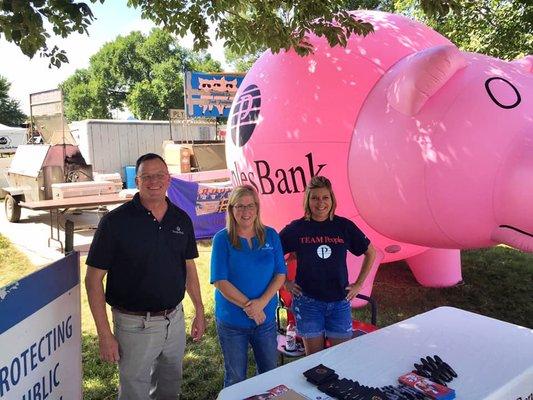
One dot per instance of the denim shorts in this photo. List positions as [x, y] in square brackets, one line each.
[316, 318]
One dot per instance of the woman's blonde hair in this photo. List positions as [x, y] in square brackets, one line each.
[231, 224]
[318, 182]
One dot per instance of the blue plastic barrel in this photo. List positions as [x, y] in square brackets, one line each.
[129, 172]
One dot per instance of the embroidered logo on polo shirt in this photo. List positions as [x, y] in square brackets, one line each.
[267, 246]
[323, 251]
[178, 231]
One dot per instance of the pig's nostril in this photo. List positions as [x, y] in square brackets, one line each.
[393, 248]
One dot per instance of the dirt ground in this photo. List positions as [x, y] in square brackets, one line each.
[31, 234]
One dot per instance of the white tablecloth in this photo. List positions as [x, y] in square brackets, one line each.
[494, 359]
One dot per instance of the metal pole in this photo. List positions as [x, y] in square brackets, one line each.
[186, 75]
[63, 139]
[30, 135]
[69, 236]
[170, 124]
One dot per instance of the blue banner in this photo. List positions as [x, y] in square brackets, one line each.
[210, 95]
[204, 203]
[21, 299]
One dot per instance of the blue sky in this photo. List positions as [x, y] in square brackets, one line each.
[32, 75]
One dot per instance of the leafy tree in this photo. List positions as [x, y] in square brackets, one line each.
[497, 27]
[85, 97]
[22, 22]
[249, 25]
[500, 28]
[383, 5]
[242, 60]
[244, 25]
[10, 113]
[143, 73]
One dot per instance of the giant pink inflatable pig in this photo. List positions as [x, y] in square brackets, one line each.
[429, 149]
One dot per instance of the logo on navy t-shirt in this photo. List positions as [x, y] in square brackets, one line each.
[323, 251]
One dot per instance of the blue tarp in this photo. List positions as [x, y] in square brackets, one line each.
[205, 203]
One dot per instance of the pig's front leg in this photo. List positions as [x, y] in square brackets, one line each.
[437, 267]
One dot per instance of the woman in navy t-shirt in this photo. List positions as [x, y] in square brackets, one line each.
[247, 269]
[321, 290]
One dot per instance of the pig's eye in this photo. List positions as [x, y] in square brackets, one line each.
[502, 92]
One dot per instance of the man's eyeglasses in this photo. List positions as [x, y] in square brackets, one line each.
[152, 177]
[249, 207]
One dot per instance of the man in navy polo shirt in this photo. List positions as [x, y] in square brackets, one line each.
[147, 249]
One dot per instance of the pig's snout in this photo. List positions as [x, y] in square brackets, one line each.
[513, 201]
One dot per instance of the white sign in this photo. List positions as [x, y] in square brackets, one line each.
[11, 138]
[40, 334]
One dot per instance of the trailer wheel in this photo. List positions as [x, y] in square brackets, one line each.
[12, 209]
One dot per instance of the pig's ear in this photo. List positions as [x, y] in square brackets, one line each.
[525, 63]
[422, 75]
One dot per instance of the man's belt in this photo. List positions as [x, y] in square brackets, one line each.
[162, 313]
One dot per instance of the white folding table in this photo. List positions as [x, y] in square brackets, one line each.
[494, 359]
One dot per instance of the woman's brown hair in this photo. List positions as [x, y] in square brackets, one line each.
[318, 182]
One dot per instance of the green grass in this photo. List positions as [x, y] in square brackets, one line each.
[497, 283]
[13, 264]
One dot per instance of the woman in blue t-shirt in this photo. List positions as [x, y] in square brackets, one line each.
[247, 269]
[321, 290]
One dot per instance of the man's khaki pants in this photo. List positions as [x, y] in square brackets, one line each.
[151, 354]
